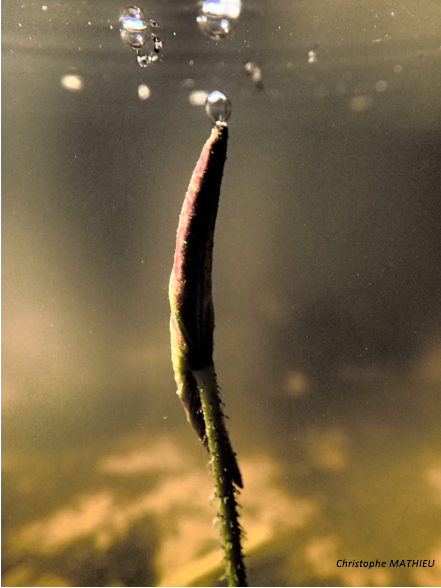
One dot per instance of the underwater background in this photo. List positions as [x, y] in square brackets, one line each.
[326, 285]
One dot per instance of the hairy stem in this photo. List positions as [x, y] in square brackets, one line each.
[223, 462]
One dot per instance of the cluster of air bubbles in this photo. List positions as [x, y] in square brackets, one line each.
[145, 60]
[218, 18]
[217, 107]
[136, 33]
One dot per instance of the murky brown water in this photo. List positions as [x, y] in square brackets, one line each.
[326, 283]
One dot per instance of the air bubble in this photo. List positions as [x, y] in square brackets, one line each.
[132, 13]
[135, 40]
[198, 97]
[218, 107]
[143, 94]
[157, 44]
[136, 33]
[72, 83]
[218, 18]
[134, 27]
[381, 86]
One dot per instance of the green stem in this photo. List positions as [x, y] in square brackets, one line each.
[224, 464]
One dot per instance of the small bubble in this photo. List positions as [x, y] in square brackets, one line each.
[218, 107]
[254, 71]
[157, 44]
[381, 86]
[72, 83]
[198, 97]
[360, 103]
[143, 94]
[218, 18]
[398, 69]
[134, 39]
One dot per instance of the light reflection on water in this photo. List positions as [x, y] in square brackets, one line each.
[326, 286]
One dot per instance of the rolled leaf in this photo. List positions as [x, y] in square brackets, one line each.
[190, 291]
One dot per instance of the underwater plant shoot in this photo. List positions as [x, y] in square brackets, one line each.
[192, 325]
